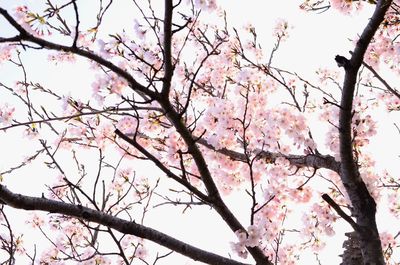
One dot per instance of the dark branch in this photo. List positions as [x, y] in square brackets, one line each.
[11, 39]
[388, 87]
[342, 61]
[163, 168]
[339, 211]
[42, 204]
[364, 206]
[77, 23]
[26, 36]
[168, 68]
[310, 160]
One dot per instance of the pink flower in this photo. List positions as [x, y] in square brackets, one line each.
[281, 29]
[31, 132]
[343, 6]
[254, 236]
[6, 114]
[35, 221]
[5, 52]
[239, 249]
[241, 235]
[140, 33]
[127, 125]
[22, 16]
[62, 57]
[207, 5]
[141, 251]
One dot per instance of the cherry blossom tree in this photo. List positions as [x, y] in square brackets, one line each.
[208, 112]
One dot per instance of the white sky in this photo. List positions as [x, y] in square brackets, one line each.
[314, 41]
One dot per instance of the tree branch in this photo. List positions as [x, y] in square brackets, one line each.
[213, 199]
[69, 117]
[77, 23]
[163, 168]
[388, 87]
[339, 211]
[364, 206]
[11, 39]
[310, 160]
[168, 68]
[169, 110]
[42, 204]
[26, 36]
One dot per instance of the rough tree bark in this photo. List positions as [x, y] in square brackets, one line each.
[363, 205]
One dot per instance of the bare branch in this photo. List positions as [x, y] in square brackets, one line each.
[168, 67]
[26, 36]
[383, 81]
[42, 204]
[77, 23]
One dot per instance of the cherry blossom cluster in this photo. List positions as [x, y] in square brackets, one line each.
[364, 126]
[317, 222]
[233, 101]
[326, 75]
[6, 114]
[73, 238]
[281, 29]
[389, 242]
[393, 199]
[250, 239]
[11, 241]
[6, 52]
[346, 6]
[25, 18]
[390, 102]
